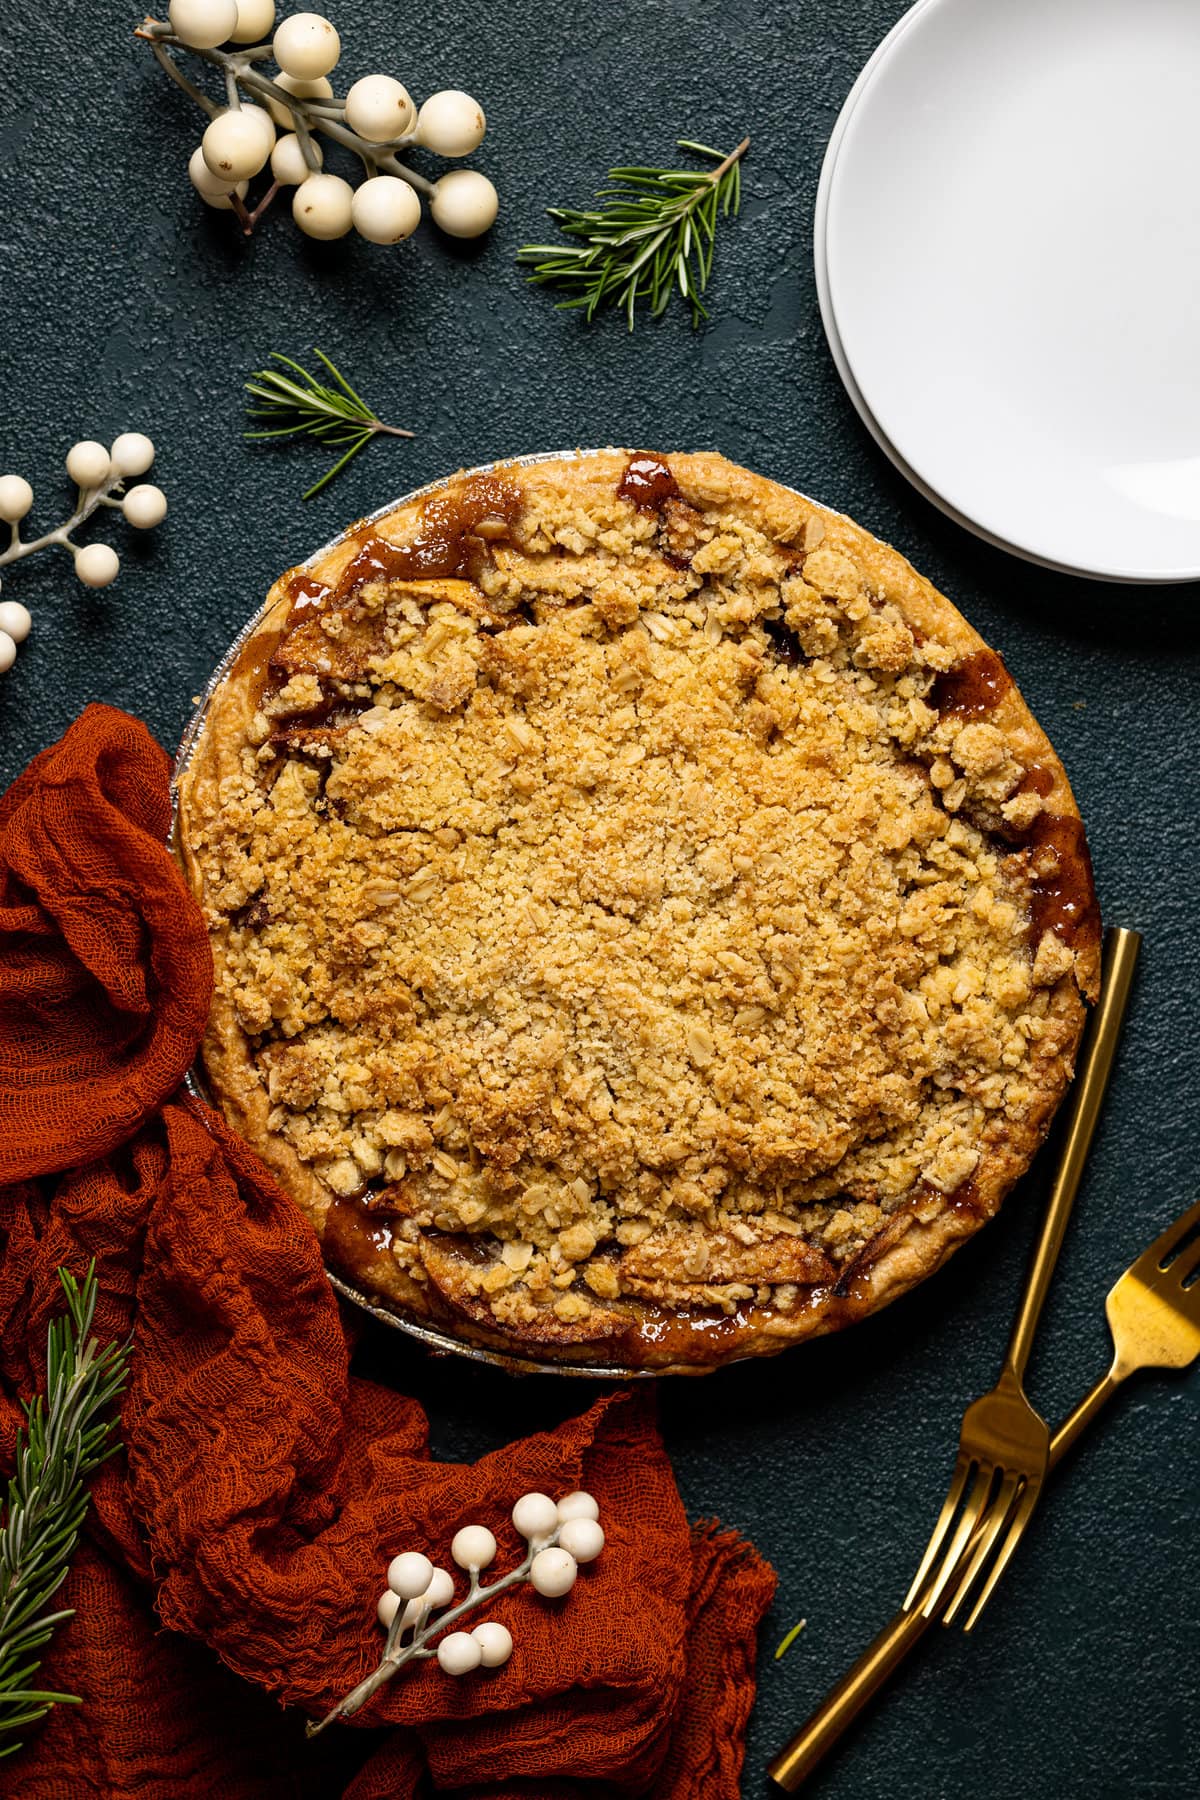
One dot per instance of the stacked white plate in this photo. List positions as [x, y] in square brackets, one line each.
[1007, 249]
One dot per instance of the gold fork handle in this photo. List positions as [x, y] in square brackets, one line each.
[1121, 948]
[1077, 1422]
[843, 1704]
[877, 1664]
[792, 1767]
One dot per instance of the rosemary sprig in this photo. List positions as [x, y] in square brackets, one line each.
[652, 233]
[299, 405]
[65, 1436]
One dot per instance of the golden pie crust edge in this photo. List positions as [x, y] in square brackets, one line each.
[907, 1249]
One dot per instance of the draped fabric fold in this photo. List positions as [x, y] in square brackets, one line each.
[236, 1545]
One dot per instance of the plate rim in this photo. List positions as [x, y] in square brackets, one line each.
[833, 337]
[825, 203]
[837, 350]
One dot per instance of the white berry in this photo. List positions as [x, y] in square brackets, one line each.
[409, 1574]
[464, 203]
[8, 653]
[96, 565]
[388, 1607]
[495, 1643]
[206, 184]
[535, 1516]
[132, 453]
[237, 143]
[323, 206]
[224, 202]
[451, 123]
[440, 1591]
[459, 1653]
[306, 45]
[203, 24]
[320, 89]
[15, 621]
[288, 165]
[16, 498]
[254, 21]
[385, 209]
[88, 463]
[473, 1547]
[380, 108]
[145, 506]
[553, 1573]
[577, 1506]
[582, 1538]
[263, 123]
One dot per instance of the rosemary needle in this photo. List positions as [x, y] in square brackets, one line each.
[66, 1434]
[651, 234]
[298, 404]
[790, 1639]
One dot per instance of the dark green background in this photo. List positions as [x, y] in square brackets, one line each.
[126, 305]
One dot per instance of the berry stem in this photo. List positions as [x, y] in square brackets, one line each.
[252, 218]
[177, 75]
[379, 156]
[395, 1656]
[61, 535]
[307, 115]
[237, 207]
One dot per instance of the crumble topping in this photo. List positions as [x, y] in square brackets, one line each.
[622, 917]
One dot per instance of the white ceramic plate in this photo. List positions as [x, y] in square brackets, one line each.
[821, 271]
[1012, 270]
[829, 322]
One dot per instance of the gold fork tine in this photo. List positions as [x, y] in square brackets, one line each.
[1158, 1255]
[999, 1518]
[958, 1486]
[1025, 1506]
[1185, 1268]
[978, 1501]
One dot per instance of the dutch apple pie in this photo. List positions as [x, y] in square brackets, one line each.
[649, 925]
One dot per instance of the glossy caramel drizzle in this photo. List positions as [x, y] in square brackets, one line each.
[1036, 780]
[1062, 894]
[355, 1242]
[307, 595]
[647, 483]
[456, 529]
[972, 689]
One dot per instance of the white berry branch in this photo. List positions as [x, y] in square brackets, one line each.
[376, 118]
[99, 476]
[558, 1536]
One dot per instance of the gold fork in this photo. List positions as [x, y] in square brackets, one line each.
[1004, 1446]
[1154, 1316]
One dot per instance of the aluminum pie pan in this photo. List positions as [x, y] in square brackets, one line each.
[387, 1312]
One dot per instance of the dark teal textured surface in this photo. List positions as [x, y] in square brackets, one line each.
[126, 305]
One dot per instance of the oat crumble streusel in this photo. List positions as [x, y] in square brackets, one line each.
[642, 912]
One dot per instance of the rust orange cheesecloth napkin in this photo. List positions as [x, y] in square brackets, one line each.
[226, 1585]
